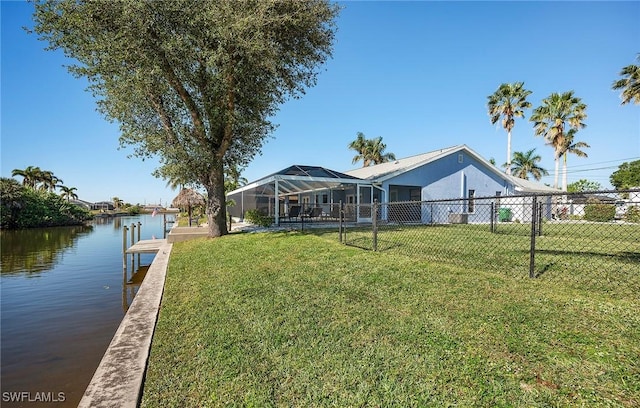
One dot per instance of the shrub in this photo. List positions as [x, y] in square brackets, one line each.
[257, 218]
[29, 208]
[599, 212]
[633, 214]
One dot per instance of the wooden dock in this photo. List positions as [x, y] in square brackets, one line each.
[146, 246]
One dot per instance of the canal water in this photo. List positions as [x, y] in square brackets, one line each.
[63, 296]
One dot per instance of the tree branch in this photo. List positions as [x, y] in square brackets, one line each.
[177, 85]
[167, 124]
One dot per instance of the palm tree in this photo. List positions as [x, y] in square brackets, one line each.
[34, 177]
[360, 146]
[551, 120]
[630, 85]
[233, 179]
[175, 181]
[508, 103]
[11, 199]
[376, 151]
[572, 147]
[31, 175]
[527, 163]
[69, 193]
[370, 151]
[49, 182]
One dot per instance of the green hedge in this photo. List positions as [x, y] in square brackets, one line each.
[599, 212]
[632, 214]
[257, 218]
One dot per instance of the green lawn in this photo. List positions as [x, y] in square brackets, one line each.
[584, 256]
[290, 319]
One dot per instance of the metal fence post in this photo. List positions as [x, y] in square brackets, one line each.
[532, 250]
[540, 215]
[374, 218]
[340, 217]
[432, 215]
[492, 218]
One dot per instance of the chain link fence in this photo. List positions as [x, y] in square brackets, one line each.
[590, 239]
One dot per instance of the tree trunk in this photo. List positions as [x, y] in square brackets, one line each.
[564, 172]
[216, 208]
[555, 178]
[508, 170]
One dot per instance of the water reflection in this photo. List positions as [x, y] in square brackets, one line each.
[63, 297]
[106, 220]
[130, 286]
[32, 251]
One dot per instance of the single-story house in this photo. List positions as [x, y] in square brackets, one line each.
[81, 203]
[453, 173]
[103, 205]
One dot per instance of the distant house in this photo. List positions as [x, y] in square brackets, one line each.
[81, 203]
[103, 205]
[579, 201]
[453, 173]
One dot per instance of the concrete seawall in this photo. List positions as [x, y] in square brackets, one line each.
[118, 379]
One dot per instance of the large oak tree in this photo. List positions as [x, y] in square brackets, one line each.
[193, 83]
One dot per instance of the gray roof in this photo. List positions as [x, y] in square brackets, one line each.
[310, 171]
[302, 178]
[385, 171]
[298, 179]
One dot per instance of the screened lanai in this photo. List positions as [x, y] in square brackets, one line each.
[298, 190]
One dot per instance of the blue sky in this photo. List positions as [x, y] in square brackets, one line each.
[416, 73]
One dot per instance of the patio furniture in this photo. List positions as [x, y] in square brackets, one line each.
[294, 212]
[315, 212]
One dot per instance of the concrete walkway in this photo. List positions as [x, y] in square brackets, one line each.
[179, 234]
[118, 380]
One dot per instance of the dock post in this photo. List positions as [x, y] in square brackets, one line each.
[124, 253]
[139, 230]
[133, 241]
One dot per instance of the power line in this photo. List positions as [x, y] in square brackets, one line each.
[573, 170]
[605, 162]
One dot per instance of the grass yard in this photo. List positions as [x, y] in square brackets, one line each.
[597, 257]
[291, 319]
